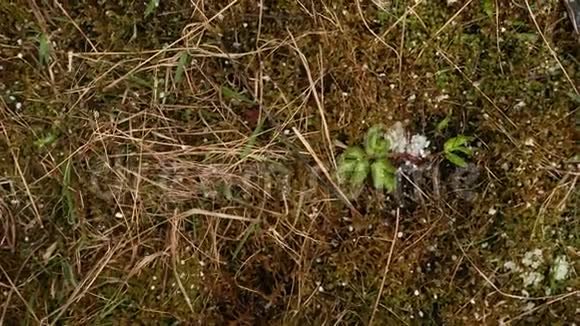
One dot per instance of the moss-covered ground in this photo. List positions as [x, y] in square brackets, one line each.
[174, 162]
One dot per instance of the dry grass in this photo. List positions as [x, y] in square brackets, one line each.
[180, 167]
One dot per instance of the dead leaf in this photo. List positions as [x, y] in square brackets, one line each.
[48, 253]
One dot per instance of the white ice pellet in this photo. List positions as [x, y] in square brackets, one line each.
[441, 97]
[510, 266]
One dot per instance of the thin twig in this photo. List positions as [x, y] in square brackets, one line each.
[386, 268]
[322, 167]
[174, 257]
[450, 20]
[76, 26]
[503, 114]
[85, 285]
[403, 16]
[552, 52]
[497, 36]
[21, 174]
[15, 289]
[188, 34]
[319, 103]
[560, 298]
[378, 38]
[199, 211]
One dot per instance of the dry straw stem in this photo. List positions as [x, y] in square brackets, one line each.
[174, 257]
[14, 288]
[339, 191]
[199, 211]
[378, 38]
[84, 286]
[559, 207]
[400, 19]
[497, 38]
[393, 242]
[32, 254]
[75, 25]
[22, 178]
[531, 311]
[158, 53]
[500, 111]
[319, 103]
[450, 20]
[552, 52]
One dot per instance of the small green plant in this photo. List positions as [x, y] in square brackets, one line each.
[443, 124]
[48, 139]
[454, 146]
[355, 163]
[44, 49]
[151, 6]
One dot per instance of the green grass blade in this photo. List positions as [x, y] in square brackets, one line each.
[68, 273]
[68, 201]
[443, 124]
[232, 94]
[111, 306]
[140, 81]
[253, 228]
[183, 60]
[43, 49]
[574, 97]
[252, 140]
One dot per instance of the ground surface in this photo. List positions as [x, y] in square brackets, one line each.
[176, 164]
